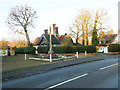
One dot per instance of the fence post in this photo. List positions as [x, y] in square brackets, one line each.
[25, 56]
[50, 57]
[85, 53]
[77, 54]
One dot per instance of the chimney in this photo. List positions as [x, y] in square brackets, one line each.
[57, 32]
[46, 31]
[54, 29]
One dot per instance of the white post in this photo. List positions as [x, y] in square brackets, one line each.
[77, 54]
[25, 56]
[36, 47]
[85, 53]
[50, 57]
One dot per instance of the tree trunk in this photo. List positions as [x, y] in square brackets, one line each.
[83, 37]
[27, 37]
[87, 33]
[77, 39]
[94, 34]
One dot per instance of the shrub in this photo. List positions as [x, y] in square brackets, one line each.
[114, 48]
[43, 49]
[25, 50]
[59, 49]
[89, 49]
[68, 49]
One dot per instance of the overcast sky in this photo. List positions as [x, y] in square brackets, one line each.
[61, 12]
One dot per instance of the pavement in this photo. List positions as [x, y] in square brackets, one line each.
[54, 65]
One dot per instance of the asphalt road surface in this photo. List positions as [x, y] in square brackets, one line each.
[98, 74]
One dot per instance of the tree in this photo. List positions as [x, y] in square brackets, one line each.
[98, 22]
[18, 43]
[20, 18]
[75, 31]
[101, 34]
[3, 44]
[110, 32]
[81, 26]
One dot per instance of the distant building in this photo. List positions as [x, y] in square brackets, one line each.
[104, 42]
[117, 39]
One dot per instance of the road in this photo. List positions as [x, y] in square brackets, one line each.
[98, 74]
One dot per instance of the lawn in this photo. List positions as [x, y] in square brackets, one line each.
[10, 63]
[18, 62]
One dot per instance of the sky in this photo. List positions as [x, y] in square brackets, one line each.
[60, 12]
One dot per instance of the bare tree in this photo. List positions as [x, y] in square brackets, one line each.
[86, 19]
[98, 22]
[110, 32]
[20, 18]
[81, 26]
[75, 31]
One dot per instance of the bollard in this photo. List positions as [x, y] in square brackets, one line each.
[25, 56]
[85, 53]
[50, 57]
[77, 54]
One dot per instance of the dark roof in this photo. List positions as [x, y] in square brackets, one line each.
[46, 37]
[107, 39]
[54, 39]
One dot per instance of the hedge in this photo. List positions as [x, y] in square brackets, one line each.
[56, 49]
[68, 49]
[114, 48]
[43, 49]
[25, 50]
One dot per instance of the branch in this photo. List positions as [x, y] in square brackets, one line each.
[19, 32]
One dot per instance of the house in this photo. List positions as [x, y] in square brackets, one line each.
[65, 40]
[117, 39]
[45, 39]
[104, 42]
[57, 40]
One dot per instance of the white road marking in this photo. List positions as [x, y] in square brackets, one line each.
[66, 81]
[108, 66]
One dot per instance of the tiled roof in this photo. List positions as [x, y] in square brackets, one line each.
[37, 41]
[61, 37]
[66, 42]
[107, 39]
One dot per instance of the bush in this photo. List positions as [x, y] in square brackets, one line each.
[90, 49]
[25, 50]
[59, 49]
[114, 48]
[43, 49]
[68, 49]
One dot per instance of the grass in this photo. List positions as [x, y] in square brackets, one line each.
[10, 63]
[18, 62]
